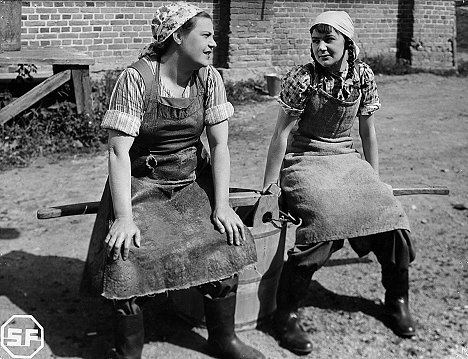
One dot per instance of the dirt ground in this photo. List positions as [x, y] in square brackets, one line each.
[422, 129]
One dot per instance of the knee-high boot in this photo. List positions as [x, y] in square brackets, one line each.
[129, 335]
[394, 256]
[222, 339]
[293, 286]
[397, 302]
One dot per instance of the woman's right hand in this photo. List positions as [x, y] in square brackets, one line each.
[120, 237]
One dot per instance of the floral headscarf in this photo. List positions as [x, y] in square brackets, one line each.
[166, 21]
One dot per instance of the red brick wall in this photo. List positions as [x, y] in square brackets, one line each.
[254, 36]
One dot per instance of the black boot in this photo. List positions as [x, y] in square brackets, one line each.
[396, 283]
[292, 288]
[399, 317]
[129, 335]
[222, 340]
[394, 251]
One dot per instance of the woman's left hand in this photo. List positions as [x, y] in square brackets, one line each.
[227, 221]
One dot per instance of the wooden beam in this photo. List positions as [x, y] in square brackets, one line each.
[34, 95]
[46, 56]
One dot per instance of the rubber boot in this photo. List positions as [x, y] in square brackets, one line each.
[129, 335]
[396, 301]
[292, 287]
[222, 339]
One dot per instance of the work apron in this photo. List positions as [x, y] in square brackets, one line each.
[172, 200]
[325, 183]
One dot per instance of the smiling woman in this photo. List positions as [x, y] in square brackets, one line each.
[164, 221]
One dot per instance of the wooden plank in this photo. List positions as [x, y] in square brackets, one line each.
[34, 95]
[82, 89]
[46, 56]
[242, 199]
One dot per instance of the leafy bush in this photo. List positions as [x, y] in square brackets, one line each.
[53, 126]
[389, 65]
[55, 130]
[245, 91]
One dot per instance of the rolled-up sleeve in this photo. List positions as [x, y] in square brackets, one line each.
[370, 101]
[126, 104]
[217, 107]
[295, 88]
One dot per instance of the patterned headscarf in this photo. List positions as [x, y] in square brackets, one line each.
[167, 20]
[341, 21]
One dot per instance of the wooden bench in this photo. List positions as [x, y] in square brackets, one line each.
[67, 65]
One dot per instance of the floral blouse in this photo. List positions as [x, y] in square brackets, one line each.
[299, 82]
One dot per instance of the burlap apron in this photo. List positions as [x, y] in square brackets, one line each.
[172, 199]
[336, 194]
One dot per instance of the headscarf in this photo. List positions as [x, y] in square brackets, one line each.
[341, 21]
[168, 19]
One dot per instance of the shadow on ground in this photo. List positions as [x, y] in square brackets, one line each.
[47, 288]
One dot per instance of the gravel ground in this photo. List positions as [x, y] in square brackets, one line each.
[422, 129]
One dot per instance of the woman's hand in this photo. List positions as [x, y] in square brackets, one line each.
[120, 237]
[227, 221]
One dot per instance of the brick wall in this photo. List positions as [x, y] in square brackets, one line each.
[253, 36]
[272, 34]
[113, 32]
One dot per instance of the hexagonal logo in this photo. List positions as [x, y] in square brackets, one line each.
[22, 336]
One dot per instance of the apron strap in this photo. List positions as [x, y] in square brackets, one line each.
[145, 72]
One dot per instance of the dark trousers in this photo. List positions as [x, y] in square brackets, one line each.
[394, 251]
[213, 290]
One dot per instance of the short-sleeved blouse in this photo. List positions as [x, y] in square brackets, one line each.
[125, 111]
[300, 80]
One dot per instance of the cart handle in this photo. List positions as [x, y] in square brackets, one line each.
[236, 199]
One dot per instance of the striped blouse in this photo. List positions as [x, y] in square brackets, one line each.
[299, 82]
[125, 111]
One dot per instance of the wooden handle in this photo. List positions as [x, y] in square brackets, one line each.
[236, 199]
[421, 190]
[68, 210]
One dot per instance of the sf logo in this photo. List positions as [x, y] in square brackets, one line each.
[22, 336]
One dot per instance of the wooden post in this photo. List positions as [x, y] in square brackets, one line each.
[81, 85]
[82, 88]
[10, 25]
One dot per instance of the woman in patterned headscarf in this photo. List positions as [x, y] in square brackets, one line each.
[153, 232]
[325, 183]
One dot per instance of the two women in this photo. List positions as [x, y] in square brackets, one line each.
[153, 232]
[326, 184]
[164, 222]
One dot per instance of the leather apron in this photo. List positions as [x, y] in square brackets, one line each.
[172, 200]
[337, 194]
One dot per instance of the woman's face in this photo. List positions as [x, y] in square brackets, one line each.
[198, 44]
[328, 49]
